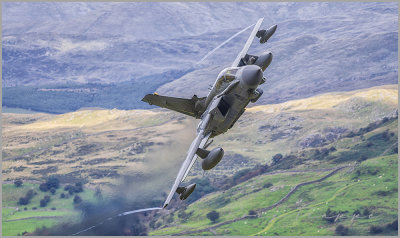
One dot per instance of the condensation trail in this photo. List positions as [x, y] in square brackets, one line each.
[139, 210]
[119, 215]
[223, 43]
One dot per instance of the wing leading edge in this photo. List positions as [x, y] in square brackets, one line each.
[248, 43]
[199, 142]
[191, 157]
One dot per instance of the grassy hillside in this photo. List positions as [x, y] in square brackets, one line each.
[368, 186]
[121, 151]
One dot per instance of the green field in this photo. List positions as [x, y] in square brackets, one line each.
[302, 213]
[17, 219]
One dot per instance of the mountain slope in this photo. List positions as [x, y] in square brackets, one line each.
[359, 194]
[135, 154]
[117, 52]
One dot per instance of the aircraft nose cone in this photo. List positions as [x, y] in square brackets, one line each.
[252, 75]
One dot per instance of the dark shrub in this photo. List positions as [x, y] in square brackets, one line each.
[77, 199]
[394, 225]
[341, 230]
[276, 158]
[375, 229]
[53, 190]
[330, 216]
[18, 183]
[183, 215]
[62, 195]
[252, 213]
[213, 216]
[366, 212]
[23, 201]
[52, 182]
[43, 187]
[34, 208]
[47, 198]
[267, 185]
[30, 194]
[25, 208]
[78, 187]
[357, 212]
[67, 187]
[43, 203]
[53, 208]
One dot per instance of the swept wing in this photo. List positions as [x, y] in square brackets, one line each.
[191, 157]
[248, 43]
[191, 107]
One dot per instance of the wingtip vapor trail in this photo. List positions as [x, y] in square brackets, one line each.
[119, 215]
[223, 43]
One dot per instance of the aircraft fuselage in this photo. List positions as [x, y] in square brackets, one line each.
[229, 97]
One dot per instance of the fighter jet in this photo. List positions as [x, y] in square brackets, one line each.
[234, 88]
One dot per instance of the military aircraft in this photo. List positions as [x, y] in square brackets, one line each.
[232, 91]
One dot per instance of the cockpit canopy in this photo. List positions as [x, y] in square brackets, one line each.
[225, 77]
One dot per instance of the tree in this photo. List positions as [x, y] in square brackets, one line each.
[62, 195]
[252, 213]
[342, 230]
[276, 158]
[78, 187]
[52, 182]
[23, 201]
[77, 199]
[43, 187]
[53, 190]
[67, 187]
[44, 201]
[213, 216]
[18, 183]
[30, 194]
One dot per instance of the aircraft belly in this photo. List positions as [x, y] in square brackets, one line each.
[238, 99]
